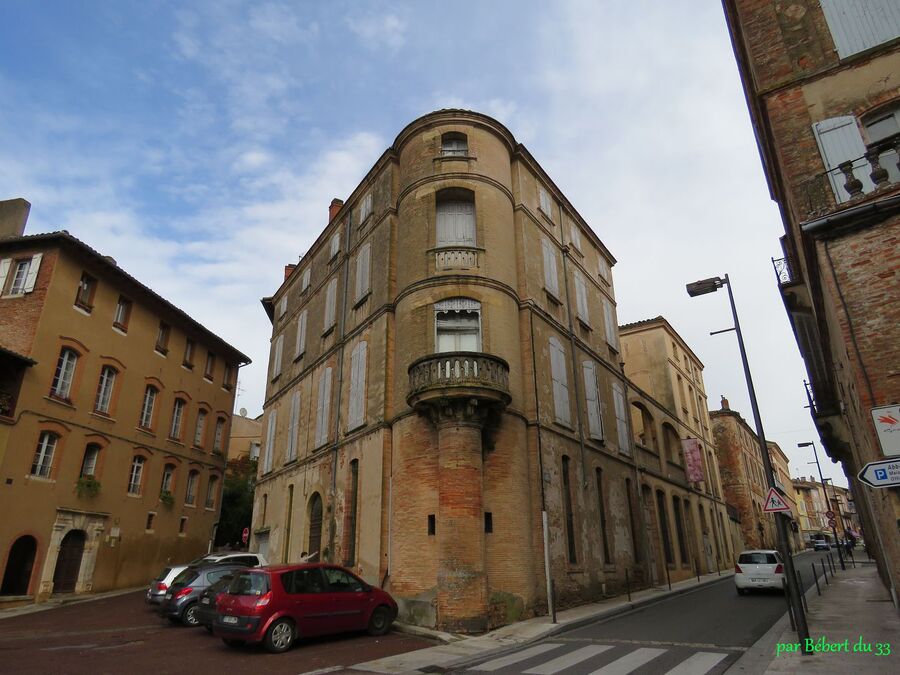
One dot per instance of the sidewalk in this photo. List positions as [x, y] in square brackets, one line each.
[459, 650]
[54, 602]
[854, 607]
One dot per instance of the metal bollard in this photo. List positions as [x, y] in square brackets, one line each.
[802, 590]
[852, 559]
[790, 610]
[815, 578]
[668, 580]
[627, 585]
[831, 564]
[718, 571]
[825, 573]
[697, 570]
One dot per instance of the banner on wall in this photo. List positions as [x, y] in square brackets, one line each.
[693, 462]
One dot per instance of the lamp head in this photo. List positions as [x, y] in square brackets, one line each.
[804, 445]
[704, 286]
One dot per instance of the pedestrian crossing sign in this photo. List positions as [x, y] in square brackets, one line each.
[775, 503]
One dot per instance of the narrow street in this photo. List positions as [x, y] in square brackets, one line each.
[703, 631]
[122, 634]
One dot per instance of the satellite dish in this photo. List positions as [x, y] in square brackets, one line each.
[243, 412]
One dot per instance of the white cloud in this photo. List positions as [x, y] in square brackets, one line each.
[377, 31]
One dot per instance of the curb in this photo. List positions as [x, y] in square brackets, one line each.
[62, 602]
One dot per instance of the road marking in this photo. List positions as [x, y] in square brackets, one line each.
[701, 662]
[630, 662]
[56, 649]
[568, 660]
[321, 671]
[663, 643]
[504, 661]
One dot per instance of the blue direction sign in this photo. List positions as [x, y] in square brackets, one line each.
[881, 474]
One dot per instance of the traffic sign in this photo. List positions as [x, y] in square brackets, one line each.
[774, 502]
[829, 514]
[885, 473]
[245, 535]
[886, 419]
[831, 523]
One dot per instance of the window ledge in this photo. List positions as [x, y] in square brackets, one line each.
[188, 366]
[175, 441]
[209, 508]
[190, 506]
[584, 324]
[12, 296]
[207, 378]
[291, 461]
[160, 352]
[119, 330]
[134, 496]
[198, 448]
[262, 530]
[102, 416]
[328, 330]
[552, 296]
[276, 377]
[564, 425]
[546, 217]
[362, 299]
[60, 401]
[299, 356]
[334, 256]
[83, 309]
[145, 431]
[39, 479]
[451, 158]
[356, 427]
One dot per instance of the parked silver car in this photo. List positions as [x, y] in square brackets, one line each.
[158, 587]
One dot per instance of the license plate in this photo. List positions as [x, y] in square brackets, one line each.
[229, 619]
[168, 596]
[759, 581]
[204, 601]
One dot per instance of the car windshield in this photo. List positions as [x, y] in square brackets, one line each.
[186, 576]
[757, 559]
[163, 574]
[249, 584]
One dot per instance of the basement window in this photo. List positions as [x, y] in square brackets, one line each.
[431, 526]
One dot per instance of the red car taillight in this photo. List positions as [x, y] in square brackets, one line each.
[779, 568]
[161, 587]
[183, 592]
[264, 600]
[737, 569]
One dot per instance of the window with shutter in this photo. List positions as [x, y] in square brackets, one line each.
[270, 441]
[323, 411]
[560, 382]
[276, 356]
[304, 280]
[365, 208]
[857, 25]
[621, 419]
[357, 413]
[294, 427]
[612, 329]
[592, 397]
[455, 223]
[546, 204]
[603, 269]
[575, 236]
[330, 300]
[581, 298]
[551, 281]
[335, 244]
[840, 141]
[363, 285]
[282, 307]
[33, 268]
[300, 345]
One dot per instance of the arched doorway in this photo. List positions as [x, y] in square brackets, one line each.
[18, 566]
[68, 563]
[315, 528]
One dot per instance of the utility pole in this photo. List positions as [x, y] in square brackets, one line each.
[827, 502]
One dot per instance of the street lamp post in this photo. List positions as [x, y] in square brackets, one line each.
[711, 285]
[811, 444]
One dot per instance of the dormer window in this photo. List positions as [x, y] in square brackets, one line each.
[454, 144]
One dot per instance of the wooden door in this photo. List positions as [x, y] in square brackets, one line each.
[315, 528]
[68, 563]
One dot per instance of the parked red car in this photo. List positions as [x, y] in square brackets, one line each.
[275, 605]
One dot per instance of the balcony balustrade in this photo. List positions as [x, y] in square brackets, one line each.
[459, 375]
[456, 258]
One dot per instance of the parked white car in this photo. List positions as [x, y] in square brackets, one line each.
[759, 569]
[234, 558]
[156, 592]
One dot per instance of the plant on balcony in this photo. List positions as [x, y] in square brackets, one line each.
[166, 498]
[87, 486]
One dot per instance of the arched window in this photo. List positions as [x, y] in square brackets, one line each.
[211, 489]
[136, 476]
[458, 325]
[65, 371]
[190, 493]
[200, 428]
[220, 433]
[43, 456]
[177, 419]
[643, 426]
[168, 479]
[672, 444]
[89, 462]
[454, 144]
[146, 421]
[455, 217]
[105, 389]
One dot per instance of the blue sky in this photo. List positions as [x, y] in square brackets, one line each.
[200, 144]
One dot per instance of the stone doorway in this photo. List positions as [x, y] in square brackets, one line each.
[19, 565]
[72, 552]
[68, 562]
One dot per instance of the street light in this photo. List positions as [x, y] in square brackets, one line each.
[811, 444]
[711, 285]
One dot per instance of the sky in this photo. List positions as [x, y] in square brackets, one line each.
[200, 144]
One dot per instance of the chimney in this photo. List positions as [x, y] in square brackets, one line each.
[725, 404]
[336, 205]
[288, 269]
[13, 216]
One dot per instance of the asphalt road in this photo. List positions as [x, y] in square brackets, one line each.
[702, 631]
[122, 634]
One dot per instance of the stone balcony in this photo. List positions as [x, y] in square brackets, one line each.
[460, 376]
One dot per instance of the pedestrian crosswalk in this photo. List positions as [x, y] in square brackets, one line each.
[551, 658]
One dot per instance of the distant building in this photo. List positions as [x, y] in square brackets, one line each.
[813, 521]
[115, 409]
[822, 82]
[743, 476]
[246, 434]
[782, 473]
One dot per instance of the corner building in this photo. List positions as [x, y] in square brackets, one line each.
[445, 369]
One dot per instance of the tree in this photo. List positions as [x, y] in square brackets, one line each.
[237, 501]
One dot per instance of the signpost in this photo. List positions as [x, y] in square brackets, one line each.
[245, 535]
[883, 474]
[829, 515]
[774, 502]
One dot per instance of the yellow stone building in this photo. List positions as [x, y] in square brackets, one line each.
[115, 408]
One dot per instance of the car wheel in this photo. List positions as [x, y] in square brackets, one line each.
[279, 636]
[234, 644]
[380, 621]
[189, 616]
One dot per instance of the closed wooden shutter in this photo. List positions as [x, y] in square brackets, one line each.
[300, 345]
[276, 357]
[33, 272]
[357, 404]
[4, 270]
[591, 395]
[455, 223]
[857, 25]
[551, 282]
[612, 329]
[294, 426]
[581, 297]
[330, 299]
[621, 419]
[323, 408]
[560, 381]
[362, 271]
[270, 441]
[335, 243]
[840, 141]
